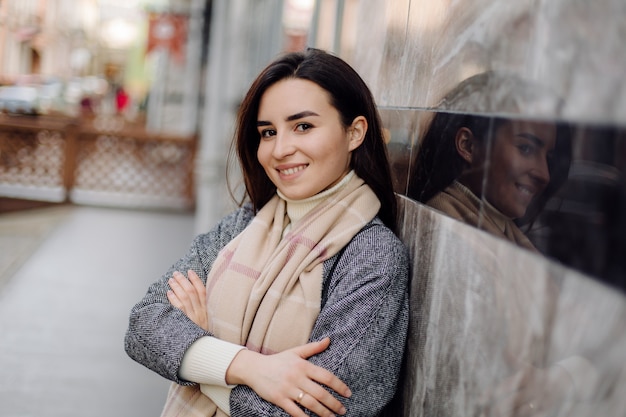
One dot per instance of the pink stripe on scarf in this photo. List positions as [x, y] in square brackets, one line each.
[228, 255]
[298, 239]
[244, 270]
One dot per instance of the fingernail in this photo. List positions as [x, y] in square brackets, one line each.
[342, 411]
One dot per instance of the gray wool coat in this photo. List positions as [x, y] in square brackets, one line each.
[364, 311]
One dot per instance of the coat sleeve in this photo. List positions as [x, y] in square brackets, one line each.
[365, 314]
[159, 334]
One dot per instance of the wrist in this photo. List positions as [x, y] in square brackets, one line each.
[240, 365]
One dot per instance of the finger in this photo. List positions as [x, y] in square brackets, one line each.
[291, 407]
[190, 295]
[309, 402]
[196, 282]
[312, 348]
[178, 291]
[173, 299]
[319, 400]
[320, 374]
[184, 282]
[199, 287]
[327, 378]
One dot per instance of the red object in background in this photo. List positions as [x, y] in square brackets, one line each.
[168, 31]
[121, 99]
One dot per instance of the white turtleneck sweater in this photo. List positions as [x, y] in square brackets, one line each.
[208, 358]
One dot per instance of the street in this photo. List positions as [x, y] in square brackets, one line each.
[64, 310]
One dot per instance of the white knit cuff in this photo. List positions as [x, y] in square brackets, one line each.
[207, 360]
[219, 395]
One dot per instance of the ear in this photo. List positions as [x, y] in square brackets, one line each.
[465, 145]
[356, 132]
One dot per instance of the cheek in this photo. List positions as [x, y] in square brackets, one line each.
[262, 154]
[504, 166]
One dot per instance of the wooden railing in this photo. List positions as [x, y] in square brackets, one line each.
[95, 161]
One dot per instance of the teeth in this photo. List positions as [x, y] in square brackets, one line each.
[525, 190]
[292, 170]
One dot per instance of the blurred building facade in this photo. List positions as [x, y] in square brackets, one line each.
[63, 38]
[113, 112]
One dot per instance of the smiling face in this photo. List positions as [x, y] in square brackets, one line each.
[518, 166]
[304, 148]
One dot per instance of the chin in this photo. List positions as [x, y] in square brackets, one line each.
[512, 212]
[519, 214]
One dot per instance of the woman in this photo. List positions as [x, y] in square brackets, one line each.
[491, 172]
[306, 306]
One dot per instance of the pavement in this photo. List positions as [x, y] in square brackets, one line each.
[69, 276]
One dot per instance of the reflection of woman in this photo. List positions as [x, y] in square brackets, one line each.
[298, 300]
[497, 173]
[490, 172]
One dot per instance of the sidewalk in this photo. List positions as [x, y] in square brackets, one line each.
[68, 278]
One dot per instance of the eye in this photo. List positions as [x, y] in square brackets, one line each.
[303, 127]
[525, 149]
[267, 133]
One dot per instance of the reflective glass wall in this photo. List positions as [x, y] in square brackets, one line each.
[571, 200]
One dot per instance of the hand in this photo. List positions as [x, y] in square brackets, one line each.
[287, 379]
[189, 295]
[530, 392]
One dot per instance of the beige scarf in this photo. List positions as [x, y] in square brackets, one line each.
[264, 291]
[459, 202]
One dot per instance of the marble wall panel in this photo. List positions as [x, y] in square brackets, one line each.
[572, 47]
[372, 28]
[580, 50]
[492, 327]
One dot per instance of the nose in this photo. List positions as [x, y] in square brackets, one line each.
[541, 171]
[283, 146]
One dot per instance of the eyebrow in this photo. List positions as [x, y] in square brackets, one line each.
[296, 116]
[301, 115]
[536, 139]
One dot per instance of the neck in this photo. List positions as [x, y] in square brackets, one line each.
[297, 209]
[481, 201]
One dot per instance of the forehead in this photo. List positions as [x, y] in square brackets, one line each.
[545, 131]
[293, 95]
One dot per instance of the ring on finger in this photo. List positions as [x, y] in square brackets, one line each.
[300, 397]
